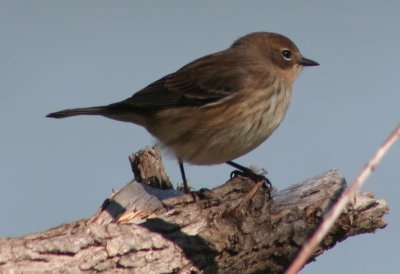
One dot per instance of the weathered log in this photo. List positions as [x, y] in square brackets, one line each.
[233, 228]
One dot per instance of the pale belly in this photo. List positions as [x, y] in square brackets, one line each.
[216, 135]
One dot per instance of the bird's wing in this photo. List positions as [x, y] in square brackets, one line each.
[201, 82]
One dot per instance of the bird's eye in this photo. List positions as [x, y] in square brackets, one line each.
[287, 54]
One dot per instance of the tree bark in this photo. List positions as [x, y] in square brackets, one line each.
[233, 228]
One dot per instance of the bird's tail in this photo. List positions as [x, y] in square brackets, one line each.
[77, 111]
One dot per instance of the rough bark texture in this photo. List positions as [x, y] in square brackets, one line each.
[234, 228]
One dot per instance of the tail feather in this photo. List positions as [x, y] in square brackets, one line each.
[76, 111]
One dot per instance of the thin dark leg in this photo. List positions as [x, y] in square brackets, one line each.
[239, 167]
[244, 171]
[185, 184]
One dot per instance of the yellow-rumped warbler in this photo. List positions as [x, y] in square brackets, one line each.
[218, 107]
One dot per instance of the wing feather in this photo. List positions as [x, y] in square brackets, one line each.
[203, 81]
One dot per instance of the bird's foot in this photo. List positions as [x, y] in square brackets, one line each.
[260, 179]
[185, 188]
[251, 175]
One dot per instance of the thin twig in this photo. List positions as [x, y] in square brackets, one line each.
[338, 208]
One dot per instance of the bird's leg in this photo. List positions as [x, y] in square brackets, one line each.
[247, 172]
[185, 184]
[259, 179]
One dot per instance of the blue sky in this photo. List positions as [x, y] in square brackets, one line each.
[61, 54]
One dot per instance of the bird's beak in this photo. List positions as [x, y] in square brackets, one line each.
[307, 62]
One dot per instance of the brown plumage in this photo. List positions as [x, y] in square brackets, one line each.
[218, 107]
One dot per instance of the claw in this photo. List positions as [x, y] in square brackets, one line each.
[236, 173]
[246, 172]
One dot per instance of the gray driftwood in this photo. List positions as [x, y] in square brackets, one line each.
[233, 228]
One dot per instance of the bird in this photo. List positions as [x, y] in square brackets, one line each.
[218, 107]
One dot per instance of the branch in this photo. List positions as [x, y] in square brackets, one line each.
[233, 228]
[340, 205]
